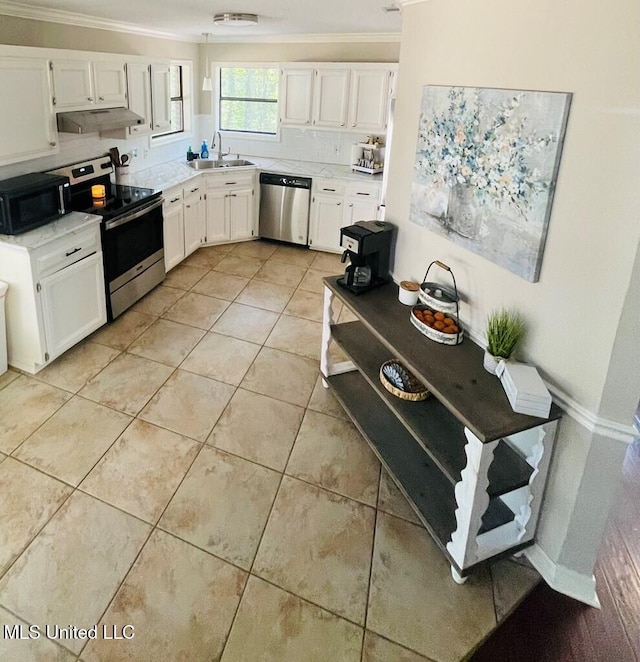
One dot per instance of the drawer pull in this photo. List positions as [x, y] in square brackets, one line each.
[174, 200]
[193, 190]
[329, 189]
[363, 193]
[75, 250]
[230, 183]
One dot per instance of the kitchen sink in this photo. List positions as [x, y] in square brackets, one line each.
[236, 163]
[209, 164]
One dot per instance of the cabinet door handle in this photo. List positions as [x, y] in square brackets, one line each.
[53, 144]
[351, 204]
[188, 206]
[101, 98]
[232, 195]
[75, 250]
[339, 203]
[353, 124]
[363, 193]
[89, 98]
[329, 189]
[341, 123]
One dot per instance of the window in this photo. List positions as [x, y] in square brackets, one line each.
[177, 101]
[180, 104]
[248, 100]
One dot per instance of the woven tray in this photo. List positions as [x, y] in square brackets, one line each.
[416, 391]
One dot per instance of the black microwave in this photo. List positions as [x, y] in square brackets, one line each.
[29, 201]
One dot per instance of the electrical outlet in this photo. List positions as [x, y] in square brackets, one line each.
[336, 150]
[134, 152]
[145, 152]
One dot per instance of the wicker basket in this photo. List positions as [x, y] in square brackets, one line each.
[417, 391]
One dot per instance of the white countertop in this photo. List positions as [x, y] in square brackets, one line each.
[175, 173]
[33, 239]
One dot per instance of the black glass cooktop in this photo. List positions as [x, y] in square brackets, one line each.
[118, 200]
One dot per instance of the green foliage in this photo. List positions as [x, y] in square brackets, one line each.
[505, 329]
[249, 99]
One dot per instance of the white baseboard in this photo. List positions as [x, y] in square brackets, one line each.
[562, 579]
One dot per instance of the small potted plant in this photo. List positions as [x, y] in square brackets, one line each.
[505, 329]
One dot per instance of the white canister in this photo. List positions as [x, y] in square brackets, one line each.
[122, 175]
[408, 292]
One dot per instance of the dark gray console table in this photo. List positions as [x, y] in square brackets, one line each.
[473, 470]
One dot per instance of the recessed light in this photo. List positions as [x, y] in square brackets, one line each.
[235, 20]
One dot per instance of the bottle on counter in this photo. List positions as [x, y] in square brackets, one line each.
[204, 150]
[189, 154]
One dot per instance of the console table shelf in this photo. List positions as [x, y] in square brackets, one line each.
[472, 469]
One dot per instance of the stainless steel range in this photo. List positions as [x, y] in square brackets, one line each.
[132, 239]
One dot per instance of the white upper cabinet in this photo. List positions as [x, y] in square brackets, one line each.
[296, 91]
[139, 88]
[343, 97]
[72, 83]
[330, 98]
[84, 83]
[160, 97]
[110, 83]
[27, 121]
[368, 99]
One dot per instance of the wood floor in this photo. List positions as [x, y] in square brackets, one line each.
[549, 627]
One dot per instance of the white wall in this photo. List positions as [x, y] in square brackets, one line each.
[592, 50]
[583, 314]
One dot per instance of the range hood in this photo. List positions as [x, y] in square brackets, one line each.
[99, 119]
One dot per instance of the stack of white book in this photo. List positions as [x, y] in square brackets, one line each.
[525, 389]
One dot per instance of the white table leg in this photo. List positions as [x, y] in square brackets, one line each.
[327, 321]
[472, 500]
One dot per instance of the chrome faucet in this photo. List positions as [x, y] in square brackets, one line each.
[220, 156]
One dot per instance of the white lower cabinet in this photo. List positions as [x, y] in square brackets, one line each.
[56, 294]
[194, 218]
[73, 304]
[337, 203]
[184, 222]
[231, 212]
[173, 229]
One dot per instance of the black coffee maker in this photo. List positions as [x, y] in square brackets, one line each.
[368, 246]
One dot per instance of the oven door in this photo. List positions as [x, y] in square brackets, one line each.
[133, 250]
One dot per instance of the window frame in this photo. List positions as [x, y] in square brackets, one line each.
[187, 109]
[215, 102]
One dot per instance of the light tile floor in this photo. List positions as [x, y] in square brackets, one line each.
[184, 471]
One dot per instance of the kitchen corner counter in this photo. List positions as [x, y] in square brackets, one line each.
[175, 173]
[163, 176]
[73, 222]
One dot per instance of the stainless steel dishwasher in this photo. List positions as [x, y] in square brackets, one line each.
[284, 207]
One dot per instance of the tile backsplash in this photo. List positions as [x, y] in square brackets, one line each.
[332, 147]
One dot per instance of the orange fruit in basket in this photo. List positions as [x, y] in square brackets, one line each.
[448, 321]
[439, 325]
[451, 329]
[439, 316]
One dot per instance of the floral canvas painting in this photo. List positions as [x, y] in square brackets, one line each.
[485, 170]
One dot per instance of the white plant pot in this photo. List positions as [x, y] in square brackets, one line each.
[490, 362]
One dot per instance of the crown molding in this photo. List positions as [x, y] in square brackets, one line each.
[18, 10]
[356, 37]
